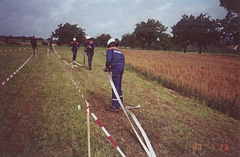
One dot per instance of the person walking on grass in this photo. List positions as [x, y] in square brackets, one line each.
[34, 45]
[89, 49]
[115, 62]
[74, 47]
[51, 44]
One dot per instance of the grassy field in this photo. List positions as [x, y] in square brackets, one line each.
[212, 79]
[39, 116]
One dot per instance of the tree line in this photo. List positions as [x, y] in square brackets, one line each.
[199, 31]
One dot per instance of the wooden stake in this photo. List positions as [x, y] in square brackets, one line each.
[83, 58]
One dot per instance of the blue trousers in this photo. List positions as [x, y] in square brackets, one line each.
[117, 73]
[90, 57]
[74, 52]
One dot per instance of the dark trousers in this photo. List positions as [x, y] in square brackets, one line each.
[117, 73]
[34, 49]
[90, 57]
[74, 52]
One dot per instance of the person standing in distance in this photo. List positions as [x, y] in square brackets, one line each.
[89, 49]
[51, 44]
[34, 45]
[74, 47]
[115, 62]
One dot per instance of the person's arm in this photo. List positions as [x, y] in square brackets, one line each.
[93, 46]
[109, 59]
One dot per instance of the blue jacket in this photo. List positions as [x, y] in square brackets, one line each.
[89, 46]
[74, 46]
[114, 57]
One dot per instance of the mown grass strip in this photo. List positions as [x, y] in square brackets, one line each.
[39, 115]
[43, 105]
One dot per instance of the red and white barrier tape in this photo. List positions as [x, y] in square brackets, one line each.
[148, 149]
[93, 115]
[15, 72]
[95, 118]
[10, 50]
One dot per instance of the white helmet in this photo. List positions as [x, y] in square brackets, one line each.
[74, 39]
[111, 41]
[88, 37]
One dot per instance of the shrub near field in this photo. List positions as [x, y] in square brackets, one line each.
[209, 78]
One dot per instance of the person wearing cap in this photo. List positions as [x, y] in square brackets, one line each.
[34, 45]
[74, 47]
[89, 49]
[115, 62]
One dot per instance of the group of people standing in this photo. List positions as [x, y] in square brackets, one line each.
[115, 62]
[89, 49]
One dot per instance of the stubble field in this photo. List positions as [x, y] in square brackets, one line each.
[211, 79]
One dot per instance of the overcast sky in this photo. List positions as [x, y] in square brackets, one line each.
[114, 17]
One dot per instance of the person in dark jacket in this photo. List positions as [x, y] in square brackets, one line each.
[89, 49]
[74, 47]
[115, 62]
[34, 45]
[51, 44]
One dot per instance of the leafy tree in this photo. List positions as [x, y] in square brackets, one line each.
[200, 31]
[129, 40]
[231, 28]
[231, 5]
[65, 33]
[149, 31]
[231, 23]
[182, 35]
[204, 31]
[102, 40]
[166, 42]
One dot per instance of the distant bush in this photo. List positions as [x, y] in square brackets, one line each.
[59, 43]
[220, 49]
[44, 43]
[13, 42]
[6, 40]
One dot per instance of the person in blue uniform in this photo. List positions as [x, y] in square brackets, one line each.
[115, 62]
[89, 49]
[74, 47]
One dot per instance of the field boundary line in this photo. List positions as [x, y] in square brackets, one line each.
[15, 72]
[88, 108]
[11, 50]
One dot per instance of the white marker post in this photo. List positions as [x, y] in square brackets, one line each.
[47, 53]
[79, 107]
